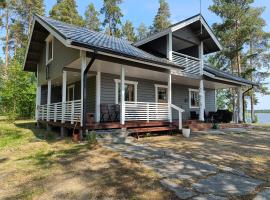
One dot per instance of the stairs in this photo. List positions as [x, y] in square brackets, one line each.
[163, 127]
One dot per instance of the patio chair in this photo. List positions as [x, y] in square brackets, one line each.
[194, 115]
[115, 112]
[104, 111]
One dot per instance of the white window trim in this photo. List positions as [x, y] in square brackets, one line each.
[189, 97]
[68, 94]
[117, 81]
[49, 39]
[156, 90]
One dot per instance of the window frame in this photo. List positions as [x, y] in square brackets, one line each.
[68, 94]
[49, 39]
[156, 91]
[118, 81]
[189, 99]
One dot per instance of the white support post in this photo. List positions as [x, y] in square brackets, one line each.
[202, 101]
[122, 95]
[72, 112]
[169, 46]
[83, 67]
[201, 57]
[180, 121]
[38, 99]
[49, 93]
[147, 111]
[240, 105]
[98, 88]
[64, 95]
[170, 96]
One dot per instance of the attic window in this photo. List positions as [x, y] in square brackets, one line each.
[49, 49]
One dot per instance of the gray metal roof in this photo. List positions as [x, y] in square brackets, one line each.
[225, 75]
[84, 37]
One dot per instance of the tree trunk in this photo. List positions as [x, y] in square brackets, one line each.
[253, 120]
[7, 43]
[252, 112]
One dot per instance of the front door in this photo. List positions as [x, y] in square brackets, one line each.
[162, 94]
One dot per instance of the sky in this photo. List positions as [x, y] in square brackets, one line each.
[144, 11]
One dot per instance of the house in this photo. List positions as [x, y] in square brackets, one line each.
[82, 73]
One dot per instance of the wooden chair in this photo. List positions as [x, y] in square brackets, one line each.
[115, 112]
[104, 110]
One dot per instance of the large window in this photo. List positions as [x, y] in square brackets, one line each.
[130, 91]
[194, 98]
[161, 93]
[49, 49]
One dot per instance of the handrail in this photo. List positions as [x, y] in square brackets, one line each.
[180, 110]
[186, 56]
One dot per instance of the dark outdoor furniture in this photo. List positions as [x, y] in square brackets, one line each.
[105, 114]
[115, 112]
[224, 116]
[194, 115]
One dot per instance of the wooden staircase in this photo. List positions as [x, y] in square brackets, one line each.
[152, 127]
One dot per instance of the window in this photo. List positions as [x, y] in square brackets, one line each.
[194, 98]
[70, 93]
[161, 92]
[49, 49]
[130, 91]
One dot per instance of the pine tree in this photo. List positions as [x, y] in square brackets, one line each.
[162, 18]
[239, 22]
[142, 31]
[66, 11]
[128, 31]
[112, 17]
[92, 21]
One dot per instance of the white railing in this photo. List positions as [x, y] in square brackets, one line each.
[191, 64]
[180, 110]
[69, 111]
[148, 111]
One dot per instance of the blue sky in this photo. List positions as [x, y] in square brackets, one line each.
[144, 11]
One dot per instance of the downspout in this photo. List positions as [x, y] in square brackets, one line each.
[85, 87]
[243, 99]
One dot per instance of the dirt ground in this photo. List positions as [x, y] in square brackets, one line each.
[32, 168]
[247, 151]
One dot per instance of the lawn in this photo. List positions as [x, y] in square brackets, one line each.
[35, 168]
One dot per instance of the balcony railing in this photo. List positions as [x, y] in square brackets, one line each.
[68, 111]
[191, 64]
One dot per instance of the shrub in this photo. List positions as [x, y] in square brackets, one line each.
[91, 138]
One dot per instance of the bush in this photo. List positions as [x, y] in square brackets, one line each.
[91, 138]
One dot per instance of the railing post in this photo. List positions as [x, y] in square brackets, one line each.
[55, 112]
[48, 112]
[42, 113]
[147, 111]
[63, 111]
[72, 112]
[180, 120]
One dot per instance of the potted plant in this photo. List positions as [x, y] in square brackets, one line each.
[186, 131]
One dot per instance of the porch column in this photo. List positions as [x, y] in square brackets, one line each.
[49, 98]
[38, 99]
[169, 46]
[64, 95]
[122, 95]
[170, 96]
[83, 66]
[202, 101]
[98, 85]
[240, 105]
[201, 57]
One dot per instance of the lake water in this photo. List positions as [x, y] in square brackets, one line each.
[262, 118]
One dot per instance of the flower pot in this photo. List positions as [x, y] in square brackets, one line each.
[186, 132]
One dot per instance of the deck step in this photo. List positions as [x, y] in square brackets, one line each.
[152, 129]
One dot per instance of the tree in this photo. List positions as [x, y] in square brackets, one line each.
[112, 17]
[66, 11]
[92, 21]
[162, 18]
[128, 31]
[142, 31]
[239, 21]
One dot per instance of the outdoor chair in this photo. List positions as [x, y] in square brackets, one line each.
[115, 112]
[194, 115]
[104, 111]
